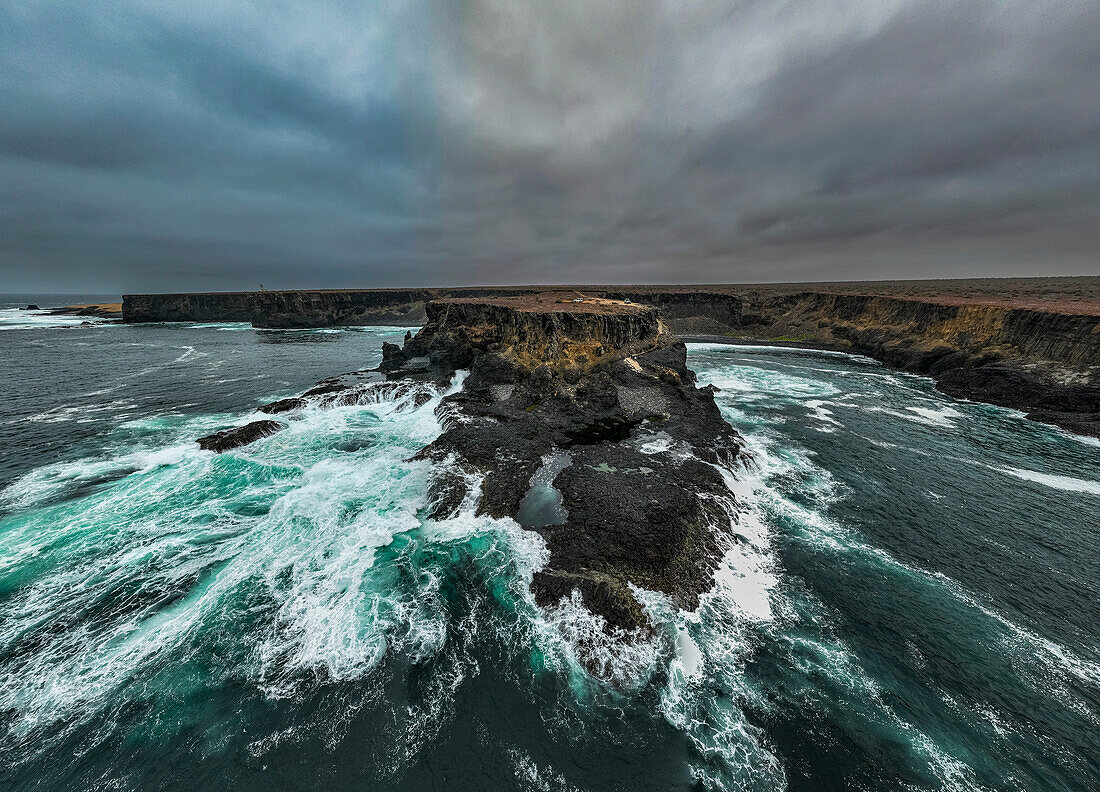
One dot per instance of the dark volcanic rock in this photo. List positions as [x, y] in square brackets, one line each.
[598, 393]
[359, 387]
[31, 307]
[604, 385]
[238, 436]
[284, 405]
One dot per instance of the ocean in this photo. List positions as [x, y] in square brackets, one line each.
[912, 601]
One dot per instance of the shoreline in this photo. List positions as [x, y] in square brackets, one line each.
[1078, 424]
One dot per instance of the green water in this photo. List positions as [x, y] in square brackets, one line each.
[910, 601]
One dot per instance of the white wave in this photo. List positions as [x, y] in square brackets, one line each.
[171, 518]
[19, 319]
[933, 416]
[234, 326]
[1077, 438]
[283, 529]
[928, 416]
[582, 644]
[823, 414]
[742, 381]
[718, 346]
[189, 353]
[1063, 483]
[82, 413]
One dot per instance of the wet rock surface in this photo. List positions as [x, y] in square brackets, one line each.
[238, 436]
[577, 418]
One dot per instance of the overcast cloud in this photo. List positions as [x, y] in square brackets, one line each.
[220, 145]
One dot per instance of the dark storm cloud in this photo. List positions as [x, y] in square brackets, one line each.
[213, 145]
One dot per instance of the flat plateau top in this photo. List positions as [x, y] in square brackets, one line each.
[554, 302]
[1071, 295]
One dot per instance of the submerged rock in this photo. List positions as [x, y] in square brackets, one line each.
[238, 436]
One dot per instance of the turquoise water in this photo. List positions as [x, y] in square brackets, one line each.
[911, 602]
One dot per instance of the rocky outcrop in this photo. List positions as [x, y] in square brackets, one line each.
[238, 436]
[581, 421]
[589, 409]
[199, 307]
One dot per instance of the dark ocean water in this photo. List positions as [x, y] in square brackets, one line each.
[913, 602]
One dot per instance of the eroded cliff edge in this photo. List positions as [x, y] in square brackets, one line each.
[1043, 362]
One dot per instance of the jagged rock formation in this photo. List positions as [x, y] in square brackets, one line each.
[590, 409]
[238, 436]
[581, 421]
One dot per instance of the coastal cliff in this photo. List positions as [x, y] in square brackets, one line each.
[582, 422]
[402, 307]
[1029, 344]
[283, 309]
[1045, 363]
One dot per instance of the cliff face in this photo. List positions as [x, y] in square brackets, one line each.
[1046, 362]
[1042, 362]
[529, 333]
[401, 307]
[596, 401]
[286, 309]
[880, 323]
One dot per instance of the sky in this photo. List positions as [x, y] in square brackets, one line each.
[208, 145]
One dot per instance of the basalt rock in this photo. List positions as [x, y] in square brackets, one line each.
[238, 436]
[579, 419]
[601, 391]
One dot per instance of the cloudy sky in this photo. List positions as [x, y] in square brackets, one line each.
[211, 144]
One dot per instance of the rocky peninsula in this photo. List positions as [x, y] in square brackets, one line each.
[580, 420]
